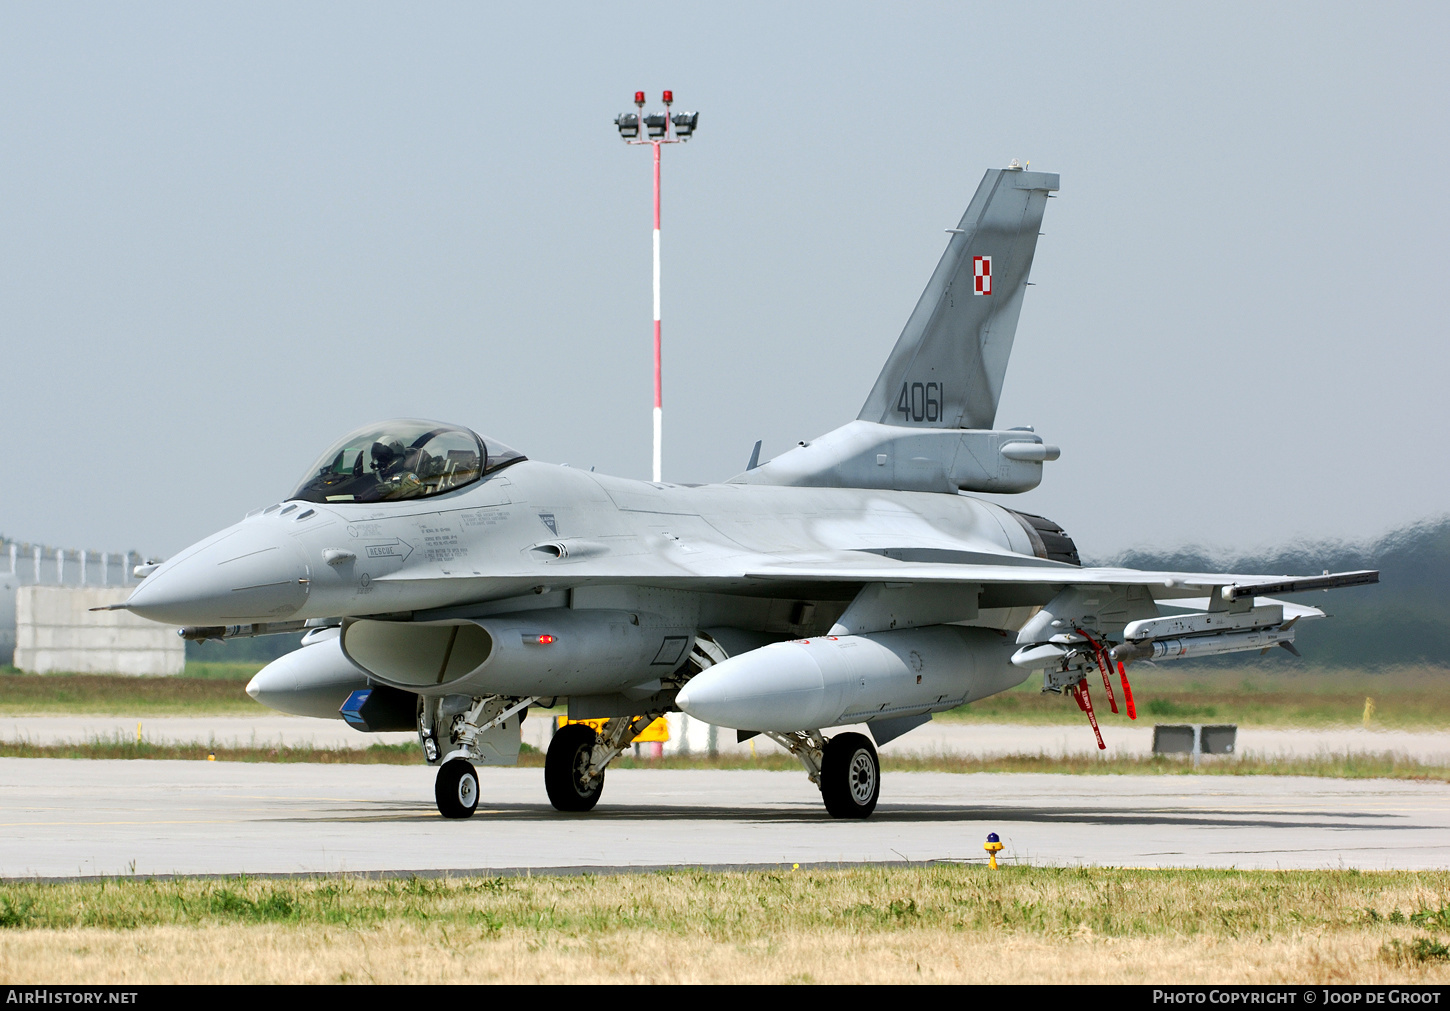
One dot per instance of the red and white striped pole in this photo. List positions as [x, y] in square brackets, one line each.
[658, 127]
[659, 413]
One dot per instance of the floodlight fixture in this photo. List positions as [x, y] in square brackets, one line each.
[657, 123]
[628, 123]
[685, 123]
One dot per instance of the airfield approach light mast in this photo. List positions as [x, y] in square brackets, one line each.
[657, 126]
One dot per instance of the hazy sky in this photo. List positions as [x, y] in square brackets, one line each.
[230, 233]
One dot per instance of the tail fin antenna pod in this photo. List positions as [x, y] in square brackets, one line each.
[947, 367]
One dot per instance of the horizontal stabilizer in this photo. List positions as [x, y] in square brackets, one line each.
[861, 454]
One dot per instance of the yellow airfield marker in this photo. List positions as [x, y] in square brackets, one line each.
[993, 846]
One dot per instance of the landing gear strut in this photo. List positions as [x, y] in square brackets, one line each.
[566, 769]
[577, 757]
[845, 767]
[461, 737]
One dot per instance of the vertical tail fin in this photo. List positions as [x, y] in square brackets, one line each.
[947, 367]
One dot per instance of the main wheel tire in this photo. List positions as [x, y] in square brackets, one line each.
[565, 763]
[456, 789]
[850, 776]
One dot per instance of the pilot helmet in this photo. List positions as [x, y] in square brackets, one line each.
[386, 454]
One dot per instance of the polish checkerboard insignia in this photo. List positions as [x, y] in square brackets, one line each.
[982, 275]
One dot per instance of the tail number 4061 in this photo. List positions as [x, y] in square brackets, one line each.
[920, 401]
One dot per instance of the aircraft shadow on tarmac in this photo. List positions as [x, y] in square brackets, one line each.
[889, 814]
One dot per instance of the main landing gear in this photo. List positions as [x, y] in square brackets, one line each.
[567, 776]
[845, 767]
[577, 757]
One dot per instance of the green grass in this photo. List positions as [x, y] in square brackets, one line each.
[885, 924]
[123, 748]
[1407, 698]
[1346, 766]
[743, 905]
[210, 670]
[211, 693]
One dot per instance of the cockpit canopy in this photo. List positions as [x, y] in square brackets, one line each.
[399, 460]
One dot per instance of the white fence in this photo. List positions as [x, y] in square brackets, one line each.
[42, 564]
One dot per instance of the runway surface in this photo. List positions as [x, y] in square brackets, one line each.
[79, 818]
[937, 737]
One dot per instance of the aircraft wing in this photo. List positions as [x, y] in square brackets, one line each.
[1163, 584]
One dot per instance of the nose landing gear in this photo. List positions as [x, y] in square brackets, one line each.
[456, 789]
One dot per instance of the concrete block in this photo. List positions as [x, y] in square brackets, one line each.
[56, 632]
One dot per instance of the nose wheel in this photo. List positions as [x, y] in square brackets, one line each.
[456, 789]
[850, 776]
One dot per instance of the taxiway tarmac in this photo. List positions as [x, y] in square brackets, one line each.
[81, 818]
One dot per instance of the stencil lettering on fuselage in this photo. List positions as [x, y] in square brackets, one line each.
[440, 543]
[396, 548]
[481, 518]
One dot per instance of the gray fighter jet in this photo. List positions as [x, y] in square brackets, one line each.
[447, 584]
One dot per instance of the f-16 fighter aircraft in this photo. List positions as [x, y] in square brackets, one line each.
[446, 584]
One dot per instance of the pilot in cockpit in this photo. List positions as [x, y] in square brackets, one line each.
[390, 465]
[399, 460]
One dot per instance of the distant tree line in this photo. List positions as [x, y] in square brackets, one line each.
[1404, 619]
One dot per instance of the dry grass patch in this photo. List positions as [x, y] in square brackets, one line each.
[1405, 698]
[870, 924]
[412, 954]
[121, 747]
[107, 694]
[1342, 766]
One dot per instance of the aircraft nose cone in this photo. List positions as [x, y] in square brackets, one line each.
[251, 572]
